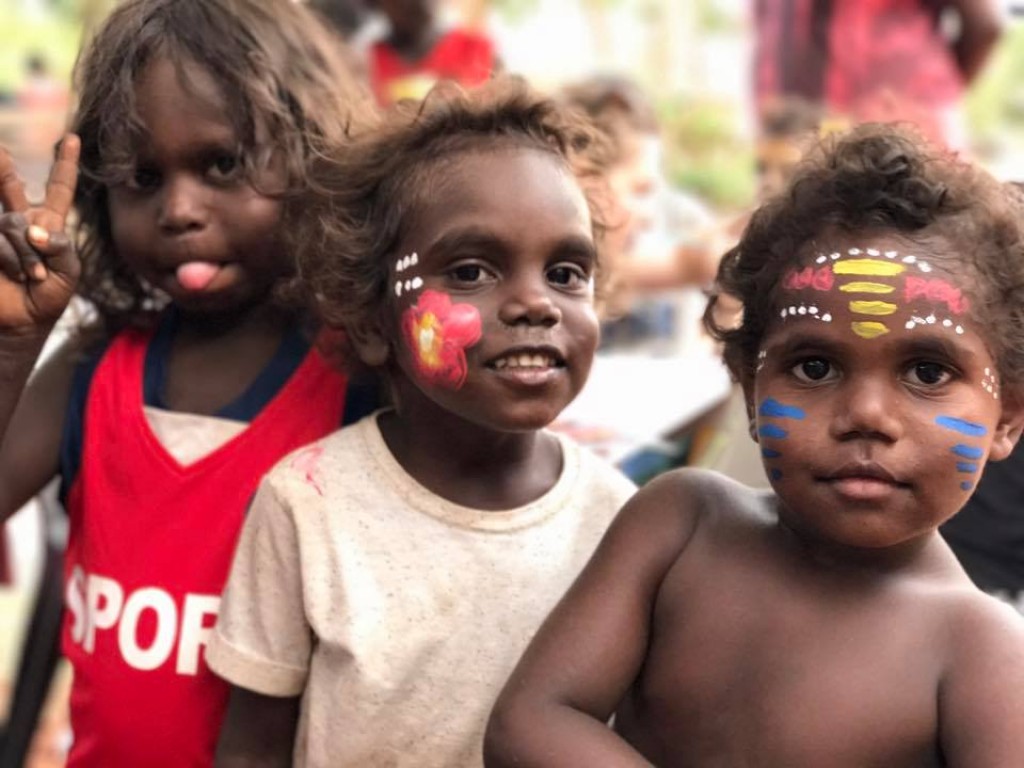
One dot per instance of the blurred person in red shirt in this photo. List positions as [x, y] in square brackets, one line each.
[877, 59]
[420, 50]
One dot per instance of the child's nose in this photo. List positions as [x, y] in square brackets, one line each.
[867, 410]
[529, 304]
[181, 206]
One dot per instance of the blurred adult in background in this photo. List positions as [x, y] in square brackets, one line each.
[419, 50]
[659, 238]
[877, 59]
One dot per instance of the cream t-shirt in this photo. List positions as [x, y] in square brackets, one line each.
[396, 614]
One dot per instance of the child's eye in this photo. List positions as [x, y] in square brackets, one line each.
[144, 179]
[225, 167]
[469, 273]
[568, 276]
[814, 369]
[928, 374]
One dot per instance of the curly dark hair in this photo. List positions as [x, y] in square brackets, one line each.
[281, 74]
[363, 197]
[883, 178]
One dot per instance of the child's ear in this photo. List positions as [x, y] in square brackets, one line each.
[370, 344]
[1008, 430]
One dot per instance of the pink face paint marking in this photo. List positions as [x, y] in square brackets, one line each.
[820, 279]
[934, 290]
[307, 462]
[438, 333]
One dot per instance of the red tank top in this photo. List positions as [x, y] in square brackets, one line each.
[149, 550]
[460, 55]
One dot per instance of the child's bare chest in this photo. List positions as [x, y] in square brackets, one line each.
[747, 669]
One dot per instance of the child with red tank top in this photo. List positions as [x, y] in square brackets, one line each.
[195, 120]
[419, 52]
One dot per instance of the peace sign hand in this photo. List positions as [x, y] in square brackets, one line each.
[38, 264]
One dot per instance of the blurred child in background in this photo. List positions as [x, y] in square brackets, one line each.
[659, 238]
[420, 50]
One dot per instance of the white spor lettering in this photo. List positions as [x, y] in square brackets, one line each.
[97, 603]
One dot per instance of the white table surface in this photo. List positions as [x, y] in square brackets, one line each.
[632, 400]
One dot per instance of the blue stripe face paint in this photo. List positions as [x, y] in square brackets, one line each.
[773, 409]
[968, 428]
[967, 451]
[770, 430]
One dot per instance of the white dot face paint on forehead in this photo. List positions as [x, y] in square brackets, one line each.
[807, 311]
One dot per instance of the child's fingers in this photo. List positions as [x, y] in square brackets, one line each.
[60, 186]
[59, 256]
[12, 188]
[18, 261]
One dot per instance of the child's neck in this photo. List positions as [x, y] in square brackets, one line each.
[922, 554]
[470, 465]
[214, 359]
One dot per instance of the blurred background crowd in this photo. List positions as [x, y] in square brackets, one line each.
[707, 104]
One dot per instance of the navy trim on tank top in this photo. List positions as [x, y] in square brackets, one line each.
[286, 360]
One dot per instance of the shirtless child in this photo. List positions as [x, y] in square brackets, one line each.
[824, 623]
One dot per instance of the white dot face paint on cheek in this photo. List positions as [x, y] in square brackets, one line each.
[407, 284]
[990, 383]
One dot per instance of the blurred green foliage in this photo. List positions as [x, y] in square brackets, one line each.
[995, 102]
[706, 153]
[53, 36]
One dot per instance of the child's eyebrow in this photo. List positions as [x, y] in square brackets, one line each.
[937, 346]
[928, 343]
[799, 342]
[476, 238]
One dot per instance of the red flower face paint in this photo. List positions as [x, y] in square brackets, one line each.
[438, 333]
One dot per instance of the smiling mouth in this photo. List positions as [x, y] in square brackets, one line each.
[526, 361]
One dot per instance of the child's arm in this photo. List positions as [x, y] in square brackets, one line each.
[262, 643]
[554, 709]
[38, 274]
[259, 731]
[981, 696]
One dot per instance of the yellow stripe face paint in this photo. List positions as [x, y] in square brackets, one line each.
[869, 329]
[864, 287]
[872, 307]
[868, 267]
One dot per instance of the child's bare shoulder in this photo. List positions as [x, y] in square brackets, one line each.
[699, 493]
[980, 623]
[679, 503]
[981, 692]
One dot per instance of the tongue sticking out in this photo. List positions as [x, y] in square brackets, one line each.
[196, 275]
